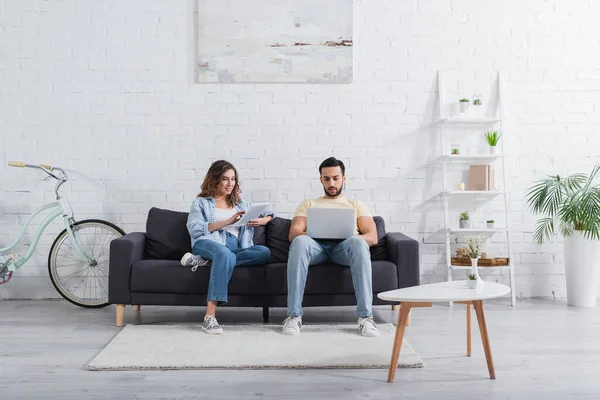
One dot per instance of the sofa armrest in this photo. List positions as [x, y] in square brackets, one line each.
[124, 252]
[404, 252]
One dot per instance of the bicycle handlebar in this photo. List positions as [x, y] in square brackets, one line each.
[48, 169]
[20, 164]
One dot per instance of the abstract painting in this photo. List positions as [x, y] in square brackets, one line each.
[275, 41]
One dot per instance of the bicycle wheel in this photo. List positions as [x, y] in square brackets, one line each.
[81, 282]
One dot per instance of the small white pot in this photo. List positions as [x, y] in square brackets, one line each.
[582, 270]
[472, 284]
[490, 225]
[463, 106]
[493, 150]
[464, 224]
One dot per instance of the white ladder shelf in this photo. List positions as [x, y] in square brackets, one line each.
[473, 123]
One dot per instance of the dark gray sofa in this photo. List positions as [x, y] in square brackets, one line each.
[145, 269]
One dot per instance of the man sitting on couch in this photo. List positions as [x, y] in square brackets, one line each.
[353, 252]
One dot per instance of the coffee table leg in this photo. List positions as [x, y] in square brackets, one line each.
[468, 330]
[478, 304]
[400, 327]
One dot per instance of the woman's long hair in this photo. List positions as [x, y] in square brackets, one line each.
[212, 180]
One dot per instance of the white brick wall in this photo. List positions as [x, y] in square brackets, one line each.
[106, 90]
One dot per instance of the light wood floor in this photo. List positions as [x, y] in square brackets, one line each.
[542, 350]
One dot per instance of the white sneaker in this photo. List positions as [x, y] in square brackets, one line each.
[190, 260]
[211, 326]
[367, 327]
[292, 325]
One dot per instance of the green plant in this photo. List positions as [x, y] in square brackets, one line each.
[490, 221]
[492, 137]
[472, 277]
[464, 216]
[455, 151]
[464, 100]
[573, 202]
[477, 102]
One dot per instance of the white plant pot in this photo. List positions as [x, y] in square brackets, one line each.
[490, 225]
[463, 107]
[493, 150]
[472, 284]
[464, 224]
[582, 270]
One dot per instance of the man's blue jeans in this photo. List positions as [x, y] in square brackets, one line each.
[354, 251]
[224, 260]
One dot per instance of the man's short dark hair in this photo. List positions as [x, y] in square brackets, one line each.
[332, 162]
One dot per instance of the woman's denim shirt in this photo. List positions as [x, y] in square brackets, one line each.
[202, 213]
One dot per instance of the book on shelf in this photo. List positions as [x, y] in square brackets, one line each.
[481, 177]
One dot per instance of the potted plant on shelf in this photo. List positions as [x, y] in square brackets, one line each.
[455, 151]
[474, 247]
[472, 280]
[490, 223]
[464, 221]
[463, 105]
[571, 205]
[492, 138]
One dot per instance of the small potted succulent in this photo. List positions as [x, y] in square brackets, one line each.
[463, 105]
[472, 280]
[476, 99]
[464, 220]
[455, 151]
[492, 138]
[490, 223]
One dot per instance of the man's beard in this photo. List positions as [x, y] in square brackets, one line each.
[337, 192]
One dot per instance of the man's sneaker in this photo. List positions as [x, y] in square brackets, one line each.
[292, 325]
[190, 260]
[211, 326]
[367, 327]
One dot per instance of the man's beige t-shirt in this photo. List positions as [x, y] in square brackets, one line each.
[360, 208]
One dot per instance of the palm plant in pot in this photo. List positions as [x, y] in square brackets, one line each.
[571, 206]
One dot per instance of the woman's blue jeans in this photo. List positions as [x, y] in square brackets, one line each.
[224, 260]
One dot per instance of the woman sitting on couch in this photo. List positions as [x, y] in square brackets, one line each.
[215, 241]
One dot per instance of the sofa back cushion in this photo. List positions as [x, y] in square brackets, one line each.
[279, 228]
[167, 237]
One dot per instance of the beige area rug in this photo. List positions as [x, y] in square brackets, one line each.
[250, 347]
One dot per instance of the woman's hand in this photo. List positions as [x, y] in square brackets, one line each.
[234, 217]
[259, 221]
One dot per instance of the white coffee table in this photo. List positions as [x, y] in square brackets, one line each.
[455, 291]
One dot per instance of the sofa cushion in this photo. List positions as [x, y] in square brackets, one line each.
[331, 278]
[168, 276]
[279, 228]
[260, 235]
[379, 252]
[167, 237]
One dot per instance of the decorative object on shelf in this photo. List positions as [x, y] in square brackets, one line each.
[490, 223]
[572, 205]
[481, 177]
[474, 245]
[464, 221]
[274, 41]
[472, 281]
[487, 261]
[463, 105]
[455, 149]
[477, 99]
[492, 138]
[462, 252]
[460, 186]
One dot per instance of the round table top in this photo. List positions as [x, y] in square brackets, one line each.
[445, 291]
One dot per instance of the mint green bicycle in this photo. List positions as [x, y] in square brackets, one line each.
[79, 256]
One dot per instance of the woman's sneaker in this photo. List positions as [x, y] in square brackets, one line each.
[190, 260]
[211, 326]
[367, 327]
[291, 325]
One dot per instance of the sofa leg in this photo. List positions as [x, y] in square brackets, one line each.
[266, 315]
[137, 308]
[120, 313]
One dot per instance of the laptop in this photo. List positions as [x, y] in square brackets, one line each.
[330, 223]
